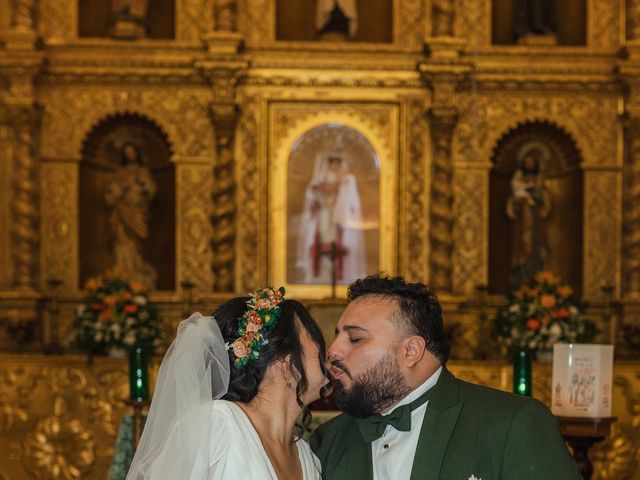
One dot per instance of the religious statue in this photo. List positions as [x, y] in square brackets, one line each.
[534, 20]
[128, 19]
[443, 12]
[224, 13]
[129, 195]
[528, 206]
[331, 243]
[336, 19]
[23, 14]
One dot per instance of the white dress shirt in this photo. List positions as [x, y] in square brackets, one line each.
[393, 452]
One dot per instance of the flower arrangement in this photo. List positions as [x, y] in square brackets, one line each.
[115, 313]
[260, 318]
[541, 313]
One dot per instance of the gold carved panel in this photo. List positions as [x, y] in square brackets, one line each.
[58, 21]
[59, 222]
[70, 113]
[378, 124]
[603, 224]
[194, 18]
[251, 249]
[470, 192]
[473, 21]
[59, 417]
[604, 29]
[193, 190]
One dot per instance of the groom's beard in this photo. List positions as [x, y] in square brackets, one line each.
[374, 391]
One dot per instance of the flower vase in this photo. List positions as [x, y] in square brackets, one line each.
[139, 372]
[522, 384]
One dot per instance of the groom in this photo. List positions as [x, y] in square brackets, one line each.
[406, 417]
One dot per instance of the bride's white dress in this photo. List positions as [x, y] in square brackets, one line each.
[235, 450]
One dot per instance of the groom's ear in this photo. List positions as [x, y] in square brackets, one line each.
[414, 350]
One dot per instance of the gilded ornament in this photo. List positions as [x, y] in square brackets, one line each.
[59, 448]
[631, 217]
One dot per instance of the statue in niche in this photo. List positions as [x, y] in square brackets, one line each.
[225, 15]
[528, 207]
[23, 14]
[129, 195]
[443, 12]
[331, 245]
[534, 22]
[128, 19]
[336, 19]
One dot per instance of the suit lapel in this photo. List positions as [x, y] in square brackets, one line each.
[438, 425]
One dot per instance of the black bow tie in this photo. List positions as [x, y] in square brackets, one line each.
[372, 428]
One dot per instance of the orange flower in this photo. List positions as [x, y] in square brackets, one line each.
[137, 287]
[130, 308]
[565, 291]
[533, 324]
[519, 294]
[563, 313]
[546, 277]
[110, 300]
[105, 314]
[533, 292]
[547, 301]
[546, 319]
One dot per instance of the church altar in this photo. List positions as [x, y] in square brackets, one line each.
[59, 416]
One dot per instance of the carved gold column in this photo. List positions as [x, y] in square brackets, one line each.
[19, 66]
[24, 204]
[223, 66]
[442, 120]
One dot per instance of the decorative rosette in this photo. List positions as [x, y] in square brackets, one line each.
[254, 325]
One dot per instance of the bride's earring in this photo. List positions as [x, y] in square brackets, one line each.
[287, 380]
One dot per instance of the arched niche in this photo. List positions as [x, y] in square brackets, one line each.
[102, 159]
[136, 18]
[296, 20]
[562, 177]
[569, 16]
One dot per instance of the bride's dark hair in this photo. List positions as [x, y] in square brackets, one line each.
[283, 340]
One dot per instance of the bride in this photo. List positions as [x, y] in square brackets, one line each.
[230, 391]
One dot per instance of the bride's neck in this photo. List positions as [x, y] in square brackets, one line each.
[273, 412]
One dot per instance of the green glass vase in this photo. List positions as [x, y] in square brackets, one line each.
[139, 372]
[522, 384]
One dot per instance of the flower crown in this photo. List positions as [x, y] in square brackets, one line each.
[260, 318]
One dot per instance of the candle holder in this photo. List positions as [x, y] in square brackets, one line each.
[609, 319]
[187, 297]
[53, 313]
[139, 408]
[139, 373]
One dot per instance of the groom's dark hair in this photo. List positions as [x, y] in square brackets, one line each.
[419, 312]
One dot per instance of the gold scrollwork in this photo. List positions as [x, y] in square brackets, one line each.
[59, 447]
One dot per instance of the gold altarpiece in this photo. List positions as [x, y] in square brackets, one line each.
[231, 99]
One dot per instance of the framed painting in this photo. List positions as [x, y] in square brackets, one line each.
[334, 216]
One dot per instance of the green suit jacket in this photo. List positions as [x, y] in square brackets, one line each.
[467, 430]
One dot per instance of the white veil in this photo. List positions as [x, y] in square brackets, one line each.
[176, 438]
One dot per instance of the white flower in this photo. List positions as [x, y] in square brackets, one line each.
[129, 339]
[555, 330]
[80, 310]
[515, 308]
[98, 337]
[140, 300]
[573, 310]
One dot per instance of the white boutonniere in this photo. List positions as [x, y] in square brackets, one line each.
[473, 477]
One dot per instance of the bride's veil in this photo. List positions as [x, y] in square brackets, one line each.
[194, 371]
